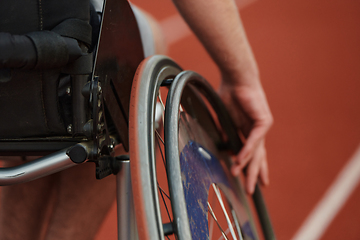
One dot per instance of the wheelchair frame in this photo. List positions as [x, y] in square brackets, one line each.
[108, 91]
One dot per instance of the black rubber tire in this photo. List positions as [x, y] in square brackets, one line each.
[149, 77]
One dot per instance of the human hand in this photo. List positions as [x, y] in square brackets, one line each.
[249, 109]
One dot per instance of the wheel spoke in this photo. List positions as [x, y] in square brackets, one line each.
[226, 232]
[161, 101]
[217, 192]
[162, 104]
[237, 225]
[158, 135]
[211, 228]
[214, 217]
[162, 196]
[161, 152]
[162, 190]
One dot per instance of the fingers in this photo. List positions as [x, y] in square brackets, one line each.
[264, 172]
[253, 142]
[248, 107]
[257, 166]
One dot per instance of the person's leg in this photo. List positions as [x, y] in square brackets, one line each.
[67, 205]
[81, 205]
[25, 207]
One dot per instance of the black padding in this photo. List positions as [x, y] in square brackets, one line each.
[81, 66]
[5, 75]
[73, 48]
[51, 48]
[75, 28]
[21, 106]
[16, 51]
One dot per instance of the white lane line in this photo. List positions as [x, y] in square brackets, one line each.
[332, 202]
[175, 28]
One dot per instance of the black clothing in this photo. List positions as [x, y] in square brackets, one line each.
[38, 39]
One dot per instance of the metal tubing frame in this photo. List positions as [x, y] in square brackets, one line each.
[125, 205]
[35, 169]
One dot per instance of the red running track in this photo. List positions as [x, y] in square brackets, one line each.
[308, 52]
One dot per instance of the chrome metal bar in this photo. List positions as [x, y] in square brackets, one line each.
[125, 204]
[36, 169]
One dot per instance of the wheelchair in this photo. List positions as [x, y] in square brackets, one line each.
[175, 183]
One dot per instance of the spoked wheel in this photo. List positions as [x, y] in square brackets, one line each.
[207, 202]
[151, 195]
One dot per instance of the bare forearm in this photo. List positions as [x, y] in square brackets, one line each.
[218, 26]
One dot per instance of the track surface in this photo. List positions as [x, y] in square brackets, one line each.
[308, 52]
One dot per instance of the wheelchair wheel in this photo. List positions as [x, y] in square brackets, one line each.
[207, 201]
[151, 196]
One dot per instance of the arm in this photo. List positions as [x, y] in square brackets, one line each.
[218, 26]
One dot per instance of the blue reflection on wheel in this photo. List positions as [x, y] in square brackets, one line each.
[199, 169]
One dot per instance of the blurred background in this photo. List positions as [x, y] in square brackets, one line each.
[308, 52]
